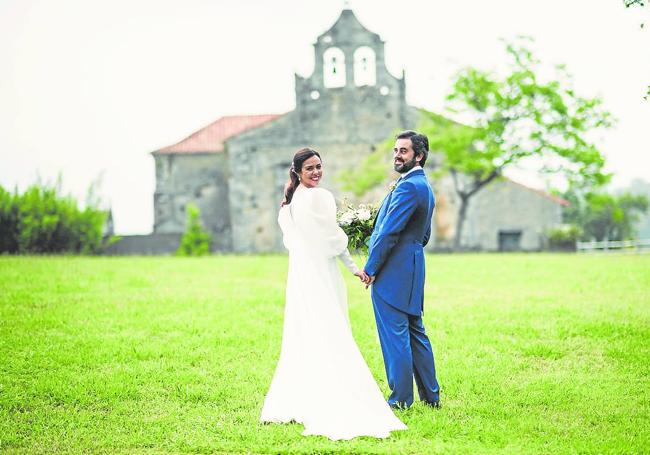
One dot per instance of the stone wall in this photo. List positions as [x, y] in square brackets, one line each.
[198, 178]
[509, 208]
[145, 244]
[260, 159]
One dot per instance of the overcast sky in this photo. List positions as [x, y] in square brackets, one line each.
[89, 88]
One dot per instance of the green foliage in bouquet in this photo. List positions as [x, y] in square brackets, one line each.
[357, 223]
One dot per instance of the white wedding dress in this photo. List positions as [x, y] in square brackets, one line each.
[321, 379]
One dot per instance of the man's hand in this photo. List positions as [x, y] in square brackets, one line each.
[371, 279]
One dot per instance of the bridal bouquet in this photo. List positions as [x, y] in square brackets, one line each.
[357, 224]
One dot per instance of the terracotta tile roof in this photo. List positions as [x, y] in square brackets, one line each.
[213, 137]
[556, 199]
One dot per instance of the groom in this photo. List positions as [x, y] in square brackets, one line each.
[395, 268]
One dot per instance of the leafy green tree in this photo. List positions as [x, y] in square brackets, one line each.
[515, 119]
[376, 167]
[195, 240]
[374, 170]
[605, 216]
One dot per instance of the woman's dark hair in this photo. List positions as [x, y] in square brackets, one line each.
[299, 158]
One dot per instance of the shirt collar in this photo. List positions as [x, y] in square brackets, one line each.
[416, 168]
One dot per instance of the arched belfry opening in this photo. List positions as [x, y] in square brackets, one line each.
[348, 55]
[365, 70]
[333, 68]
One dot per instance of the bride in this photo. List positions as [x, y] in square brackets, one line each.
[321, 379]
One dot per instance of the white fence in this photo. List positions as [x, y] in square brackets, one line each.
[624, 246]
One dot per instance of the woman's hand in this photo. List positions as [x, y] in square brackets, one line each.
[362, 276]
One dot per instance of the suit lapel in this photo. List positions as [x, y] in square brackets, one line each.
[380, 212]
[386, 202]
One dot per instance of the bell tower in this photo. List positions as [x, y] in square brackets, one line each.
[351, 82]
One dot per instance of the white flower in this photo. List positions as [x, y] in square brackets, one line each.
[346, 218]
[363, 214]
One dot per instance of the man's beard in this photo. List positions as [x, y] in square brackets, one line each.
[405, 167]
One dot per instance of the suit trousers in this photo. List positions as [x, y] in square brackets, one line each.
[407, 354]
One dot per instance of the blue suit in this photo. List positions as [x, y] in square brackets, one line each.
[396, 260]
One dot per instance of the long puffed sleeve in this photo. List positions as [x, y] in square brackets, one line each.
[347, 260]
[288, 228]
[314, 216]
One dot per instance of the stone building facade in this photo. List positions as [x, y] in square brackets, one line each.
[197, 170]
[234, 169]
[349, 104]
[503, 216]
[493, 225]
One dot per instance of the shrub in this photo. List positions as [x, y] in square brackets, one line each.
[41, 220]
[195, 240]
[563, 237]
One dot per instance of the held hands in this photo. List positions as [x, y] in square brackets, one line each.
[365, 278]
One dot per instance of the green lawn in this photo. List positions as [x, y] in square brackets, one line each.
[535, 354]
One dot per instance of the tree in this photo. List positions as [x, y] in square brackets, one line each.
[375, 168]
[195, 240]
[373, 171]
[629, 3]
[641, 4]
[639, 186]
[518, 119]
[604, 216]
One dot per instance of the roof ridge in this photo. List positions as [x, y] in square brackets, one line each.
[552, 197]
[211, 138]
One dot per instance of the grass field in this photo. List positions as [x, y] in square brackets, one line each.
[535, 354]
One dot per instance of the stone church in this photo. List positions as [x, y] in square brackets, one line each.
[234, 169]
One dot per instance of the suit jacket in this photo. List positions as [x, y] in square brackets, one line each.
[396, 247]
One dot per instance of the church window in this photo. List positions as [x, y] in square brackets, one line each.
[384, 90]
[334, 67]
[364, 66]
[315, 94]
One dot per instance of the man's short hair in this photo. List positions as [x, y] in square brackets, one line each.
[420, 144]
